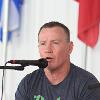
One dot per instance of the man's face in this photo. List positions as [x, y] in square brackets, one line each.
[54, 47]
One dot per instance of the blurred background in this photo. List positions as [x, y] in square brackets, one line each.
[23, 36]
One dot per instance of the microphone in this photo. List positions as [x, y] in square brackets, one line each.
[41, 63]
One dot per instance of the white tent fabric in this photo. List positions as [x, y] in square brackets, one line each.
[34, 14]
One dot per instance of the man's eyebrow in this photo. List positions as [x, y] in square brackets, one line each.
[53, 40]
[56, 40]
[42, 40]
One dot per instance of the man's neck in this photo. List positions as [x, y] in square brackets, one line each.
[58, 75]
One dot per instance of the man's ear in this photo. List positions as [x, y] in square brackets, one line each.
[70, 47]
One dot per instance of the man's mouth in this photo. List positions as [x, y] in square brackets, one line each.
[49, 58]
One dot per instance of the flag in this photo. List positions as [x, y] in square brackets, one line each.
[13, 17]
[88, 22]
[0, 20]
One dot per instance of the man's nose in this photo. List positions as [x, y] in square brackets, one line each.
[49, 48]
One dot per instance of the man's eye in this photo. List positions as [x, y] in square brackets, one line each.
[42, 43]
[56, 42]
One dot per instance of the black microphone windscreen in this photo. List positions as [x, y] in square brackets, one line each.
[43, 63]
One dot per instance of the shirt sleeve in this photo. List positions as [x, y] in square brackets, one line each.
[22, 92]
[90, 94]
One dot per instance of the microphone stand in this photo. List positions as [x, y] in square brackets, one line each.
[20, 68]
[13, 67]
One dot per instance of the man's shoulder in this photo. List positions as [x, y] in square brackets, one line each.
[82, 74]
[36, 73]
[32, 77]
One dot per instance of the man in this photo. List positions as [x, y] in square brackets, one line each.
[60, 80]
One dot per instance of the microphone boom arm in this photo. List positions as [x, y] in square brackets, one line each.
[13, 67]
